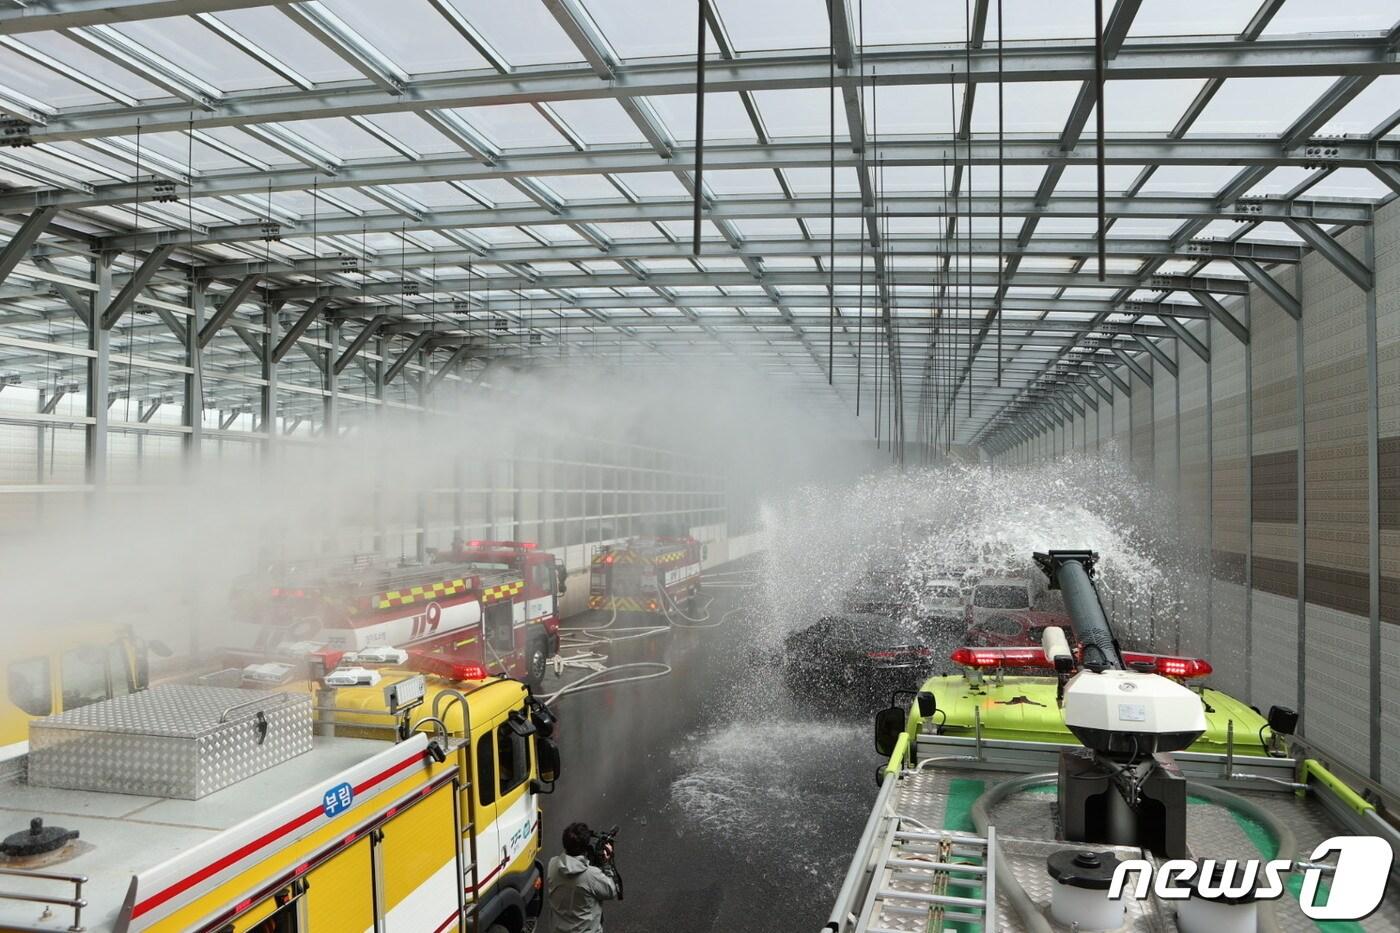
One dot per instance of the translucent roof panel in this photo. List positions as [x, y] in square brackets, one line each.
[598, 122]
[524, 33]
[277, 35]
[1258, 105]
[726, 120]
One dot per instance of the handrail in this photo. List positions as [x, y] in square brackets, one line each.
[77, 902]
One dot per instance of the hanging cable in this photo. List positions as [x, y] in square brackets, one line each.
[831, 159]
[1099, 109]
[968, 99]
[1001, 184]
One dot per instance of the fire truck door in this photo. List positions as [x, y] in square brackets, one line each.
[340, 891]
[484, 786]
[418, 855]
[500, 630]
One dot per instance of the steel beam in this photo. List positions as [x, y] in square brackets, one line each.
[23, 240]
[798, 207]
[1116, 379]
[1263, 152]
[441, 373]
[236, 297]
[1223, 315]
[1335, 253]
[1188, 338]
[137, 281]
[1063, 60]
[71, 14]
[1138, 370]
[1158, 354]
[1270, 286]
[405, 358]
[359, 341]
[300, 327]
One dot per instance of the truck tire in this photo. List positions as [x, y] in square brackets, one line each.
[536, 662]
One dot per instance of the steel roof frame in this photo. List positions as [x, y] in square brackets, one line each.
[240, 277]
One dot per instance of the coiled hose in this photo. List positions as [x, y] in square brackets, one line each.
[1029, 912]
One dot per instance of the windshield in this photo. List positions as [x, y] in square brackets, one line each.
[944, 592]
[1001, 597]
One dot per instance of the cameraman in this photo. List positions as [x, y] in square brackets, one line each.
[577, 887]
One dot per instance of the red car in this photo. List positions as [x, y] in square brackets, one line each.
[1008, 629]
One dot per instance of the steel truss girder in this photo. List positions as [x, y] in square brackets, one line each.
[1188, 338]
[1223, 315]
[1262, 151]
[138, 280]
[509, 283]
[23, 240]
[1067, 60]
[1080, 247]
[896, 207]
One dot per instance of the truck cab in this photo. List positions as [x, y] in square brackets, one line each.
[397, 802]
[64, 668]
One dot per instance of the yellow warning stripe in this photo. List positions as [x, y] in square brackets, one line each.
[417, 594]
[502, 591]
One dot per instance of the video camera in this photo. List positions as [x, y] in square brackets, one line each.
[599, 844]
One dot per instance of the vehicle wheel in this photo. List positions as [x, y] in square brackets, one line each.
[536, 661]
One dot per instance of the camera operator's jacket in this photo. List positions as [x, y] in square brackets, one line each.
[576, 892]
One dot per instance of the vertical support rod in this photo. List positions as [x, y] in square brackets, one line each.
[1210, 486]
[1099, 109]
[1248, 500]
[1373, 496]
[1301, 398]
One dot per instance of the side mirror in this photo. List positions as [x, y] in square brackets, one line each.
[547, 759]
[889, 723]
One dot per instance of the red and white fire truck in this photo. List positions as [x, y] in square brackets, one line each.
[645, 574]
[494, 602]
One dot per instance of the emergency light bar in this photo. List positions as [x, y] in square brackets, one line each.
[446, 667]
[1166, 665]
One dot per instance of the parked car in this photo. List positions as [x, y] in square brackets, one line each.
[1015, 629]
[997, 596]
[856, 657]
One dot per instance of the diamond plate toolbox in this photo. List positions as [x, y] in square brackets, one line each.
[172, 740]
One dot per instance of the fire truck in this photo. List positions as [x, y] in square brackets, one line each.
[354, 797]
[645, 575]
[496, 602]
[64, 667]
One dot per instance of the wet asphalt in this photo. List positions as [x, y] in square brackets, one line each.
[738, 806]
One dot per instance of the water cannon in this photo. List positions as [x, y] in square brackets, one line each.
[1072, 573]
[1121, 788]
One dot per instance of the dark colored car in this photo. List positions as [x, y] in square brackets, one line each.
[858, 656]
[1015, 629]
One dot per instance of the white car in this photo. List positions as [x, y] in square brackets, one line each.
[998, 595]
[942, 599]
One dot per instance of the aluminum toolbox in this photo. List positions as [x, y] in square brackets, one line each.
[173, 740]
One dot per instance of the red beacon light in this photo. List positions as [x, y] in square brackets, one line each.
[999, 657]
[1169, 665]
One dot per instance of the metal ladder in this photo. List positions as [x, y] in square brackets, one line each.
[470, 879]
[914, 871]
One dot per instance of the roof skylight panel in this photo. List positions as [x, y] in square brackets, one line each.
[512, 126]
[646, 28]
[802, 112]
[1259, 105]
[726, 120]
[1084, 178]
[1192, 18]
[1334, 16]
[74, 58]
[45, 85]
[195, 48]
[270, 30]
[409, 33]
[1190, 179]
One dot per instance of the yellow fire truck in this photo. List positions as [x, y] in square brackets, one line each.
[382, 800]
[64, 668]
